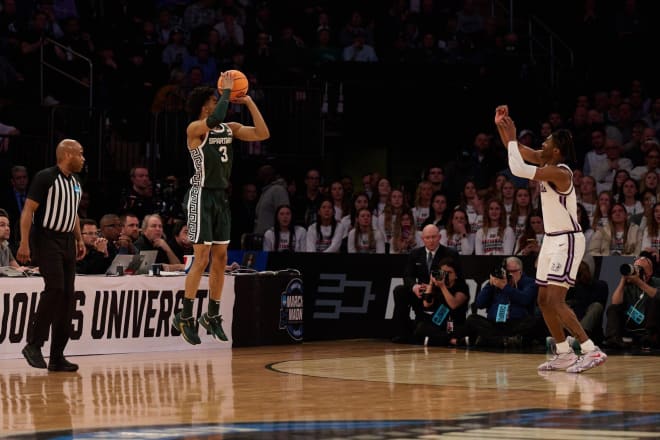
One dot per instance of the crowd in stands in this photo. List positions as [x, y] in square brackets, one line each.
[149, 55]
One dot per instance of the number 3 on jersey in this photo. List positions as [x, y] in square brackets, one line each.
[223, 153]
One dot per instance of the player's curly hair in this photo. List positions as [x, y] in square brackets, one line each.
[564, 141]
[197, 99]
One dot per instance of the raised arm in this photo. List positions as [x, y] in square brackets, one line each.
[507, 131]
[257, 132]
[198, 128]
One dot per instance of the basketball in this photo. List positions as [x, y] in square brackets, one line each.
[240, 84]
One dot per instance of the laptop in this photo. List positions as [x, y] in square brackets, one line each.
[130, 263]
[8, 271]
[149, 258]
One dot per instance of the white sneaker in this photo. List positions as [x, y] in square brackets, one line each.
[551, 345]
[559, 362]
[588, 361]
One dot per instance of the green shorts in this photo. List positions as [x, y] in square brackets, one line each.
[209, 217]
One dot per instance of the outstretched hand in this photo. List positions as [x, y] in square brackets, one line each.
[500, 112]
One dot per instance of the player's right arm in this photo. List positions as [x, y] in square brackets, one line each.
[507, 131]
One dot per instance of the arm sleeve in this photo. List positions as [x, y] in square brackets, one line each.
[220, 110]
[517, 164]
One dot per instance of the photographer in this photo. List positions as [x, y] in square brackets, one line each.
[416, 276]
[509, 299]
[445, 304]
[634, 307]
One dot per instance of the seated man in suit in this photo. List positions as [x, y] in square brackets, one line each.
[416, 278]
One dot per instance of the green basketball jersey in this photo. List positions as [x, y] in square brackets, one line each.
[213, 159]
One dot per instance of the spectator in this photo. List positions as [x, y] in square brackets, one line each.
[283, 236]
[325, 234]
[339, 200]
[97, 259]
[138, 198]
[6, 255]
[179, 241]
[458, 235]
[152, 238]
[130, 232]
[422, 206]
[359, 50]
[651, 160]
[364, 238]
[415, 282]
[509, 298]
[273, 194]
[634, 308]
[617, 185]
[604, 170]
[360, 200]
[602, 213]
[618, 237]
[531, 238]
[14, 200]
[648, 200]
[380, 199]
[438, 214]
[307, 204]
[405, 237]
[394, 207]
[495, 237]
[110, 228]
[521, 209]
[587, 195]
[651, 234]
[630, 197]
[445, 304]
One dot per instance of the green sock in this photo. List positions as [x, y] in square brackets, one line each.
[187, 308]
[214, 307]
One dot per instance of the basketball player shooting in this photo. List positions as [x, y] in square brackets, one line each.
[563, 244]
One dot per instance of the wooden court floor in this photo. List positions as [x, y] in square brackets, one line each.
[355, 389]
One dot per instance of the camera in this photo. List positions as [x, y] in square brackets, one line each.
[439, 275]
[500, 273]
[631, 269]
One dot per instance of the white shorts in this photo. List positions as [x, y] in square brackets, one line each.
[559, 259]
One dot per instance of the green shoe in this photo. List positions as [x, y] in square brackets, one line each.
[187, 328]
[213, 325]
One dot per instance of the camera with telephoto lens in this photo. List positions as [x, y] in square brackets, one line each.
[631, 269]
[439, 275]
[500, 273]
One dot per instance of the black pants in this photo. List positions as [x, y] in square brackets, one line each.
[492, 334]
[616, 321]
[55, 253]
[404, 300]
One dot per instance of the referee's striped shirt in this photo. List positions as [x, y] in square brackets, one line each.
[58, 197]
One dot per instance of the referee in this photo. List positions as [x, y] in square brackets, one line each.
[51, 207]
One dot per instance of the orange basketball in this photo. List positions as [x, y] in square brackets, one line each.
[240, 84]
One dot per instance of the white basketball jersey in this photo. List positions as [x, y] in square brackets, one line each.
[559, 209]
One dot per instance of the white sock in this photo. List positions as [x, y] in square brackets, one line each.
[563, 347]
[587, 345]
